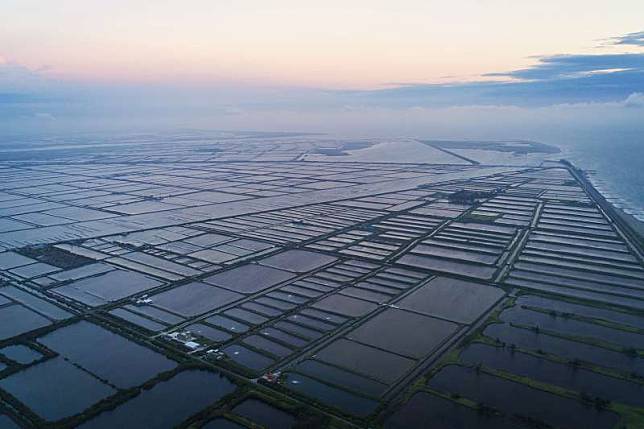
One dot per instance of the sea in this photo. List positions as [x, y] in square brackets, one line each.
[615, 167]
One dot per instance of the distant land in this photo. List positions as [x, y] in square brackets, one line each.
[622, 191]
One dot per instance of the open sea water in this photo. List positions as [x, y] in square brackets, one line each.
[615, 167]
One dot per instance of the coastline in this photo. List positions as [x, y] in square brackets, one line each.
[628, 225]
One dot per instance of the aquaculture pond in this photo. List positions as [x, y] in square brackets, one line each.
[16, 320]
[168, 403]
[7, 423]
[425, 407]
[247, 358]
[403, 332]
[122, 362]
[559, 374]
[45, 389]
[589, 311]
[339, 377]
[572, 327]
[21, 354]
[222, 423]
[194, 298]
[530, 340]
[332, 396]
[517, 398]
[261, 413]
[368, 361]
[452, 299]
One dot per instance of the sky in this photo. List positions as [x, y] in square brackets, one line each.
[356, 67]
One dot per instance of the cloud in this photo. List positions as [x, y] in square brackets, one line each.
[632, 39]
[44, 116]
[614, 81]
[555, 79]
[20, 85]
[232, 111]
[636, 99]
[552, 80]
[571, 66]
[14, 77]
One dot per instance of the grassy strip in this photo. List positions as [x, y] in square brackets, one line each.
[419, 385]
[585, 365]
[557, 390]
[305, 417]
[602, 322]
[353, 420]
[450, 358]
[452, 397]
[630, 416]
[494, 317]
[633, 377]
[585, 302]
[479, 217]
[581, 339]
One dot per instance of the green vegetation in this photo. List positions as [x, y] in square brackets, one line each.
[631, 417]
[480, 217]
[54, 256]
[596, 321]
[466, 196]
